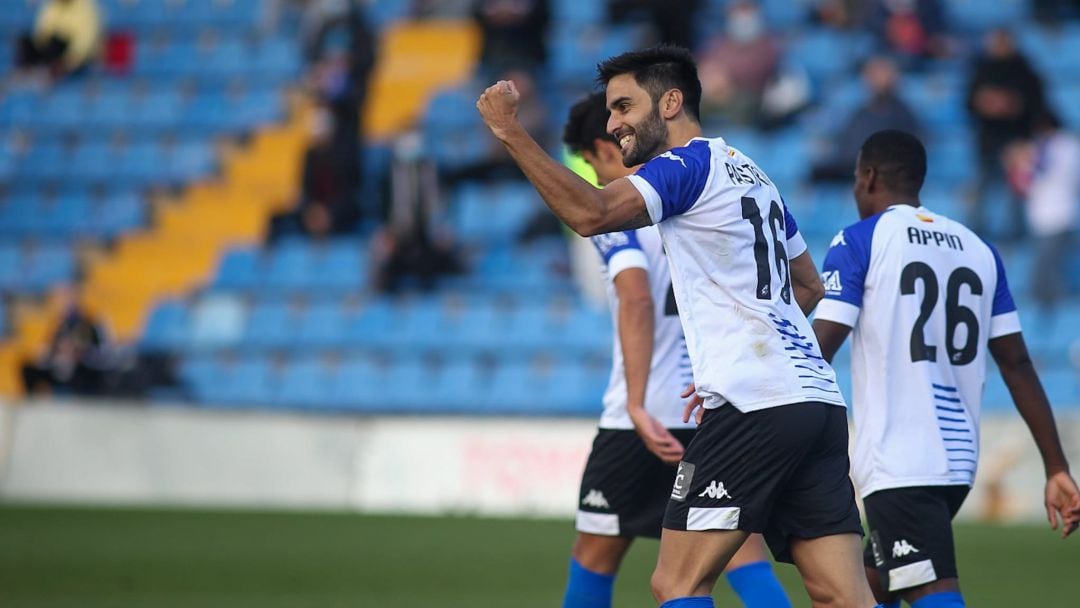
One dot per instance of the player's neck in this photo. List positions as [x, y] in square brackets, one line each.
[681, 132]
[910, 201]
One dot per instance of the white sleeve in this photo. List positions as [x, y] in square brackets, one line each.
[651, 196]
[625, 259]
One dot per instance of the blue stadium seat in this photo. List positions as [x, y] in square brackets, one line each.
[321, 326]
[356, 384]
[248, 382]
[167, 328]
[240, 270]
[460, 387]
[305, 383]
[270, 325]
[979, 15]
[158, 110]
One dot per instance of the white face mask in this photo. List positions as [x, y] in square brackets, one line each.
[322, 123]
[744, 26]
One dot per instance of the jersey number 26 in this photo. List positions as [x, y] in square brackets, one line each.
[955, 314]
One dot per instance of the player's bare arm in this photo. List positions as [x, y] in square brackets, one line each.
[636, 330]
[1062, 496]
[830, 337]
[585, 209]
[806, 282]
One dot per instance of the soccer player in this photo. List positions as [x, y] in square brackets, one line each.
[770, 454]
[629, 475]
[927, 299]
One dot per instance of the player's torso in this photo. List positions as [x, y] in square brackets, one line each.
[919, 351]
[670, 370]
[750, 343]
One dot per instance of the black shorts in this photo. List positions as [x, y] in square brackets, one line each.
[625, 487]
[781, 472]
[911, 540]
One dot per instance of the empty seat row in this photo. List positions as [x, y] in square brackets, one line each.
[299, 266]
[71, 111]
[275, 325]
[74, 215]
[32, 269]
[141, 163]
[407, 387]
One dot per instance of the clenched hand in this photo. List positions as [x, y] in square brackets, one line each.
[498, 106]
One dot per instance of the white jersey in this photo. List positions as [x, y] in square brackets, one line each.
[924, 295]
[669, 373]
[728, 238]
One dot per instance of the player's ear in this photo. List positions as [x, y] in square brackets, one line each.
[871, 179]
[671, 103]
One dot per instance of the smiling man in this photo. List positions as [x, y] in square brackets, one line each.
[770, 455]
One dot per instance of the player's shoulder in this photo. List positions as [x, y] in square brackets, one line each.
[860, 234]
[695, 155]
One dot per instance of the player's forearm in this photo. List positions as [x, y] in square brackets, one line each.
[808, 296]
[573, 200]
[636, 337]
[806, 282]
[1030, 399]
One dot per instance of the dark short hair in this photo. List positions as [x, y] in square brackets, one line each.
[899, 158]
[658, 69]
[586, 124]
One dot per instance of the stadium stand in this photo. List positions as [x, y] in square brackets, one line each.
[134, 167]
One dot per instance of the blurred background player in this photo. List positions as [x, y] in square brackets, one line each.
[628, 476]
[770, 455]
[926, 299]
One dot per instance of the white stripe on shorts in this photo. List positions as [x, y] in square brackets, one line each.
[720, 518]
[604, 524]
[912, 575]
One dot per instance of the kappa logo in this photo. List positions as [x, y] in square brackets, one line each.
[595, 499]
[831, 280]
[838, 240]
[902, 548]
[716, 490]
[672, 156]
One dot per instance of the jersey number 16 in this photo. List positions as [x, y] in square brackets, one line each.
[761, 249]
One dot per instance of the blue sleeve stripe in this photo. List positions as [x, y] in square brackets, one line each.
[607, 245]
[679, 176]
[790, 227]
[947, 389]
[1003, 300]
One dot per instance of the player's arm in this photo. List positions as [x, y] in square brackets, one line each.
[636, 329]
[830, 336]
[1062, 496]
[584, 208]
[838, 311]
[806, 282]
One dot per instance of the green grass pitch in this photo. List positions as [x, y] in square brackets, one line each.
[89, 558]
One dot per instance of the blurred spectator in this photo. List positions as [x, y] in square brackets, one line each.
[441, 9]
[66, 39]
[736, 67]
[673, 22]
[1004, 96]
[339, 47]
[837, 14]
[515, 34]
[329, 188]
[1051, 12]
[496, 164]
[1047, 171]
[883, 110]
[411, 249]
[911, 30]
[73, 362]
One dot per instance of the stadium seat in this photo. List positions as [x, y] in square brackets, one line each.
[168, 327]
